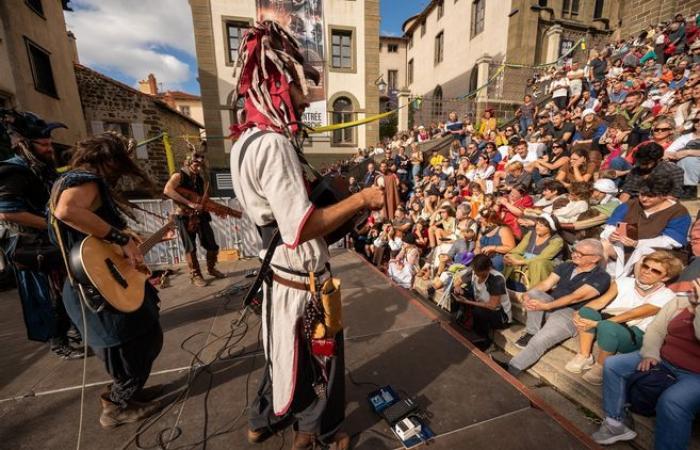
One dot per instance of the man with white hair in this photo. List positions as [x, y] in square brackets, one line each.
[555, 300]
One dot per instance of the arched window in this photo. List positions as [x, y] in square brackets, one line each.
[343, 112]
[437, 103]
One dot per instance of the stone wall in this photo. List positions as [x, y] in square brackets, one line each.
[638, 14]
[108, 103]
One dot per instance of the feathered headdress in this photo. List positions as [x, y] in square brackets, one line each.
[269, 61]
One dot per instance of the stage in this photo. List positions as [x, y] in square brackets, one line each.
[391, 338]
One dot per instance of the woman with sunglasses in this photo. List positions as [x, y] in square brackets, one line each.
[551, 166]
[617, 319]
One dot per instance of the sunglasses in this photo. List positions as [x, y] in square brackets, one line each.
[658, 130]
[646, 266]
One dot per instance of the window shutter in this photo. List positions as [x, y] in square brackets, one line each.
[138, 132]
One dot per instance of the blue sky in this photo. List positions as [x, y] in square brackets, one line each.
[128, 39]
[395, 12]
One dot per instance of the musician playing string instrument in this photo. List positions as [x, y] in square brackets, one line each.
[302, 379]
[85, 202]
[192, 219]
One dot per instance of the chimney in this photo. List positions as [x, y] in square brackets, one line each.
[73, 43]
[149, 85]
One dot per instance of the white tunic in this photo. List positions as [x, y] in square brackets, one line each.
[271, 188]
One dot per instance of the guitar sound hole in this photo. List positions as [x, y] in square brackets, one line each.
[114, 271]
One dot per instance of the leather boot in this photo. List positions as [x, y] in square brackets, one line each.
[258, 436]
[304, 441]
[195, 272]
[211, 264]
[113, 415]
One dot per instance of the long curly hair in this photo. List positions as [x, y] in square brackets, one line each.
[109, 156]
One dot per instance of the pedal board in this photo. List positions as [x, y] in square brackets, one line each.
[403, 416]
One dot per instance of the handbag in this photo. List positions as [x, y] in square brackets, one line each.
[34, 252]
[645, 388]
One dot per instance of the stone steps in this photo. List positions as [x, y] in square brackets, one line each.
[550, 369]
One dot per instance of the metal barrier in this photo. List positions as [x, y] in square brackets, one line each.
[230, 233]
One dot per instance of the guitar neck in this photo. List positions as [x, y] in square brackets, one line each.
[153, 239]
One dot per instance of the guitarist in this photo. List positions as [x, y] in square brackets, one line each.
[304, 384]
[86, 201]
[191, 220]
[25, 183]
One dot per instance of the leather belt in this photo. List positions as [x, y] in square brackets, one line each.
[299, 285]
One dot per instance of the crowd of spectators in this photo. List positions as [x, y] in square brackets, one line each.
[573, 210]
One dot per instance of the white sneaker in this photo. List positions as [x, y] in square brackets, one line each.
[579, 363]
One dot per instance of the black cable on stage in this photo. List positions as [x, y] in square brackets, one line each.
[237, 332]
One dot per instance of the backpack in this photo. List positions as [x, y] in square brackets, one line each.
[645, 388]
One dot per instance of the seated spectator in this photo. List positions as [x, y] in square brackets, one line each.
[579, 170]
[588, 135]
[515, 175]
[649, 163]
[603, 198]
[486, 295]
[443, 227]
[685, 152]
[512, 207]
[495, 239]
[654, 221]
[436, 159]
[537, 251]
[553, 193]
[672, 342]
[618, 319]
[401, 220]
[403, 267]
[551, 166]
[578, 196]
[556, 299]
[483, 173]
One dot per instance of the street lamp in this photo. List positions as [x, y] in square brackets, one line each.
[381, 84]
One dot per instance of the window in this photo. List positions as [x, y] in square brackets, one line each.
[185, 109]
[437, 104]
[342, 112]
[410, 71]
[439, 47]
[410, 40]
[478, 15]
[542, 3]
[122, 128]
[393, 77]
[36, 6]
[381, 46]
[392, 48]
[440, 9]
[40, 61]
[234, 33]
[570, 8]
[341, 42]
[422, 27]
[598, 9]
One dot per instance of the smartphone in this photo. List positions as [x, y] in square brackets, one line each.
[622, 228]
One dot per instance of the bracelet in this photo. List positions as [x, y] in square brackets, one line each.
[116, 236]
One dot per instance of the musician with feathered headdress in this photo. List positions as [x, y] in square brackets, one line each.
[304, 376]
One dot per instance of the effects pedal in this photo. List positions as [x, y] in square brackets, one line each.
[407, 428]
[399, 410]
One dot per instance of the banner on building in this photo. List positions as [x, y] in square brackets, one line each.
[304, 19]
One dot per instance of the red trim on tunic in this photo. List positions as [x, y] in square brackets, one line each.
[294, 245]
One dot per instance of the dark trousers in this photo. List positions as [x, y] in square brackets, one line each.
[44, 313]
[204, 230]
[486, 320]
[312, 414]
[130, 363]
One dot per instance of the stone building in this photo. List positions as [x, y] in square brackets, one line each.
[36, 65]
[188, 104]
[457, 46]
[111, 105]
[636, 15]
[392, 68]
[345, 36]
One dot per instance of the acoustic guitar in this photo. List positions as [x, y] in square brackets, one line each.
[103, 265]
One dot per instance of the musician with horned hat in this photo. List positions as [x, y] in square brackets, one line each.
[304, 374]
[191, 219]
